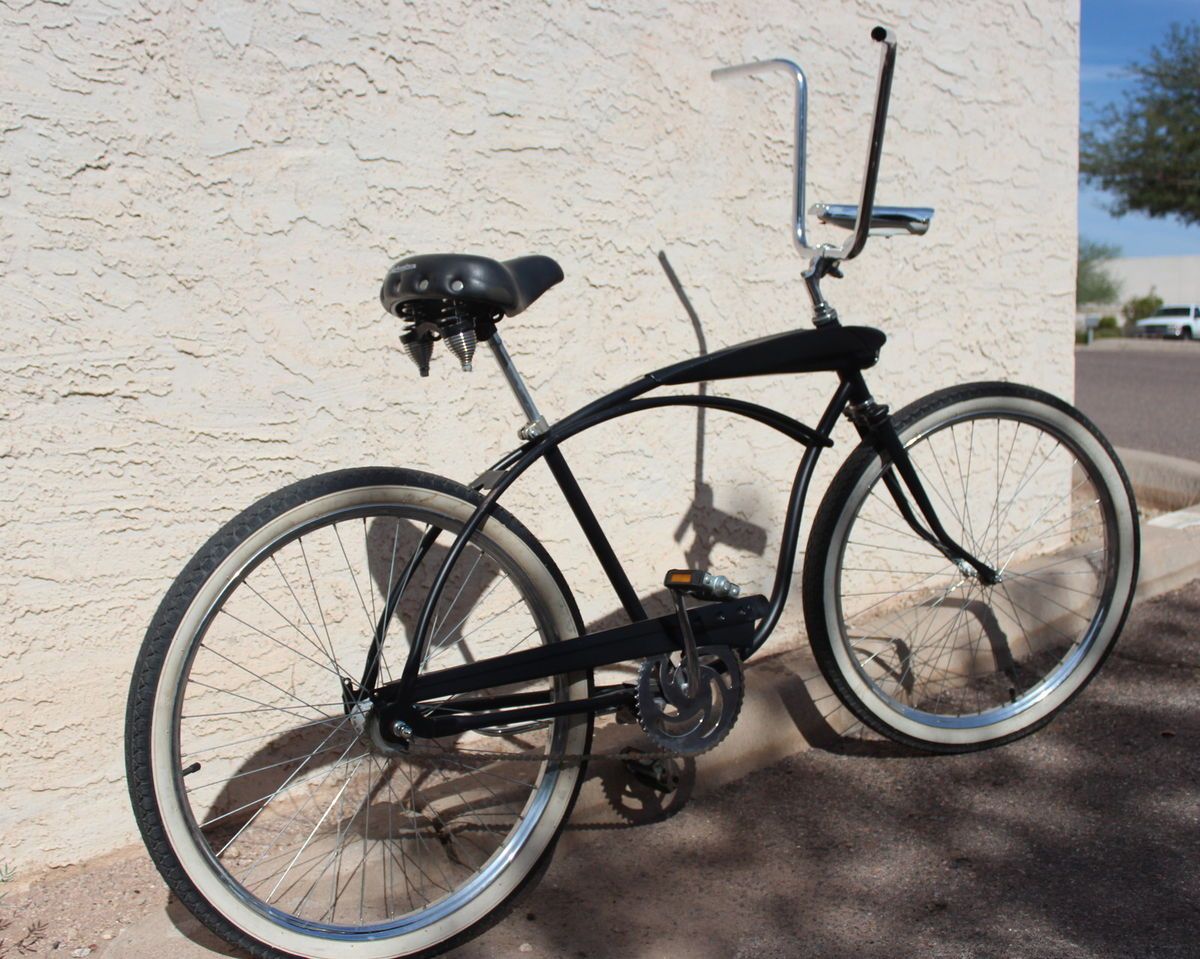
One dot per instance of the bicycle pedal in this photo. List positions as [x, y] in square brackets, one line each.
[661, 775]
[701, 584]
[625, 716]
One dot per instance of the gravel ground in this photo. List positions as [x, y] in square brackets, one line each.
[1080, 841]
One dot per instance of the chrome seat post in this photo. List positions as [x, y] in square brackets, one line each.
[537, 424]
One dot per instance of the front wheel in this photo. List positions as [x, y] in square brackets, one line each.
[269, 800]
[915, 645]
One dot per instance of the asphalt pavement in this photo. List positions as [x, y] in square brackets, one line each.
[1143, 395]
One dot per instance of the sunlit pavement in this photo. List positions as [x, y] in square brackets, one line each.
[1142, 393]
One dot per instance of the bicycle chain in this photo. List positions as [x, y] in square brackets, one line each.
[574, 759]
[626, 754]
[571, 759]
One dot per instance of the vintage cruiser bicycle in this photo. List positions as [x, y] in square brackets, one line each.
[361, 714]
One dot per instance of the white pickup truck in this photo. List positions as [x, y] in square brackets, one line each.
[1181, 320]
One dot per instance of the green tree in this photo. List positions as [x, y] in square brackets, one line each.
[1141, 307]
[1144, 152]
[1093, 283]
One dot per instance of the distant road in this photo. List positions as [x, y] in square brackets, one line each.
[1143, 395]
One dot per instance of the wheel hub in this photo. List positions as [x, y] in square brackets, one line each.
[396, 744]
[368, 723]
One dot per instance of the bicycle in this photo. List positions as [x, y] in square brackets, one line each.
[968, 570]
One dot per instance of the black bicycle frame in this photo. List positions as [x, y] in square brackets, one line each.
[846, 351]
[619, 403]
[400, 698]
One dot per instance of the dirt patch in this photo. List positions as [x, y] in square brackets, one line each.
[79, 910]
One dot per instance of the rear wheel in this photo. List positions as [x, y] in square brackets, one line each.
[918, 647]
[273, 808]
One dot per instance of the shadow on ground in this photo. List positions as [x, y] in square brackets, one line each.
[1079, 841]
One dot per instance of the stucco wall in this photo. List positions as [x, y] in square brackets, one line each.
[197, 203]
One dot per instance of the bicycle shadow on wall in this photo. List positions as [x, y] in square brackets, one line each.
[712, 527]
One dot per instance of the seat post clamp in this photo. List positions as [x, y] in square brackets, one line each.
[867, 415]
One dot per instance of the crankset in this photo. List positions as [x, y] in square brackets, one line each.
[687, 702]
[689, 712]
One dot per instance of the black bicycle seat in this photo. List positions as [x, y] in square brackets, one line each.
[509, 287]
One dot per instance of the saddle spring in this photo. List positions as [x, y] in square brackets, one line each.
[456, 322]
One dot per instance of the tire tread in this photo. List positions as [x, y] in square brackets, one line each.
[162, 629]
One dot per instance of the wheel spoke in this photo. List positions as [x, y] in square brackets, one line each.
[304, 805]
[960, 653]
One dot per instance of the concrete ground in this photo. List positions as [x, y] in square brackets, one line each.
[1079, 841]
[1142, 393]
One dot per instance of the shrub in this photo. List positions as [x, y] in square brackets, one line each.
[1141, 307]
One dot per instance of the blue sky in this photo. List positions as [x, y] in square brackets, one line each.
[1114, 34]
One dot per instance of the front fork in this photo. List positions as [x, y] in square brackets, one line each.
[874, 424]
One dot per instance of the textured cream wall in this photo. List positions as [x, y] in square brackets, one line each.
[198, 200]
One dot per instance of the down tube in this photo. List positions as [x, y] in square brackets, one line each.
[791, 525]
[620, 404]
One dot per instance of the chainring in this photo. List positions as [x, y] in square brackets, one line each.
[690, 725]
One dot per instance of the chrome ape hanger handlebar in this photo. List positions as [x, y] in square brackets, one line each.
[866, 217]
[787, 66]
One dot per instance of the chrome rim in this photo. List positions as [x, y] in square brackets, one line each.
[300, 811]
[924, 635]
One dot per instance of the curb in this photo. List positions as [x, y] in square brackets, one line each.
[1171, 542]
[1162, 482]
[790, 708]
